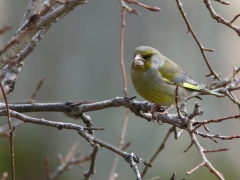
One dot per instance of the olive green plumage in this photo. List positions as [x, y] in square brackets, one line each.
[155, 78]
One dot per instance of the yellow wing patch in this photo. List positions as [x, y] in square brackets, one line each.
[167, 81]
[185, 84]
[190, 86]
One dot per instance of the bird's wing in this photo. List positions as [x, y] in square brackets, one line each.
[172, 74]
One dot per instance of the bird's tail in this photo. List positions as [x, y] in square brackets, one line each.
[206, 91]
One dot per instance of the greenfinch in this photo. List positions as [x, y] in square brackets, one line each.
[155, 78]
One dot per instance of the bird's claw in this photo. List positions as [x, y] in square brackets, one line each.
[158, 110]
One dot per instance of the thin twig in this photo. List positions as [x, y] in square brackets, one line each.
[204, 159]
[4, 29]
[121, 143]
[161, 147]
[151, 8]
[93, 161]
[216, 120]
[190, 145]
[223, 2]
[212, 136]
[177, 105]
[122, 51]
[179, 133]
[46, 7]
[81, 131]
[215, 150]
[129, 9]
[220, 19]
[11, 133]
[190, 29]
[48, 169]
[65, 163]
[4, 130]
[195, 168]
[37, 89]
[235, 18]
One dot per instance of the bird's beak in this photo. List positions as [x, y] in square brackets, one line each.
[138, 60]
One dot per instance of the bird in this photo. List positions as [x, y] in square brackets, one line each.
[155, 78]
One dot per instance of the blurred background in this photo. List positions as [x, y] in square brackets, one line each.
[79, 56]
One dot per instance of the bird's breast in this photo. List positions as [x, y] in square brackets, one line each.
[153, 88]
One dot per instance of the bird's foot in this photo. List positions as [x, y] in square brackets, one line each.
[159, 110]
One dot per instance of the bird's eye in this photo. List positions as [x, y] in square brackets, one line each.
[147, 56]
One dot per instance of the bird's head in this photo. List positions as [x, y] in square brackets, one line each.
[145, 57]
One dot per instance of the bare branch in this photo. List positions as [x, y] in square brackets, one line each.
[223, 2]
[130, 160]
[220, 19]
[215, 150]
[205, 162]
[33, 8]
[81, 130]
[31, 24]
[216, 120]
[92, 164]
[217, 136]
[190, 29]
[125, 155]
[135, 106]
